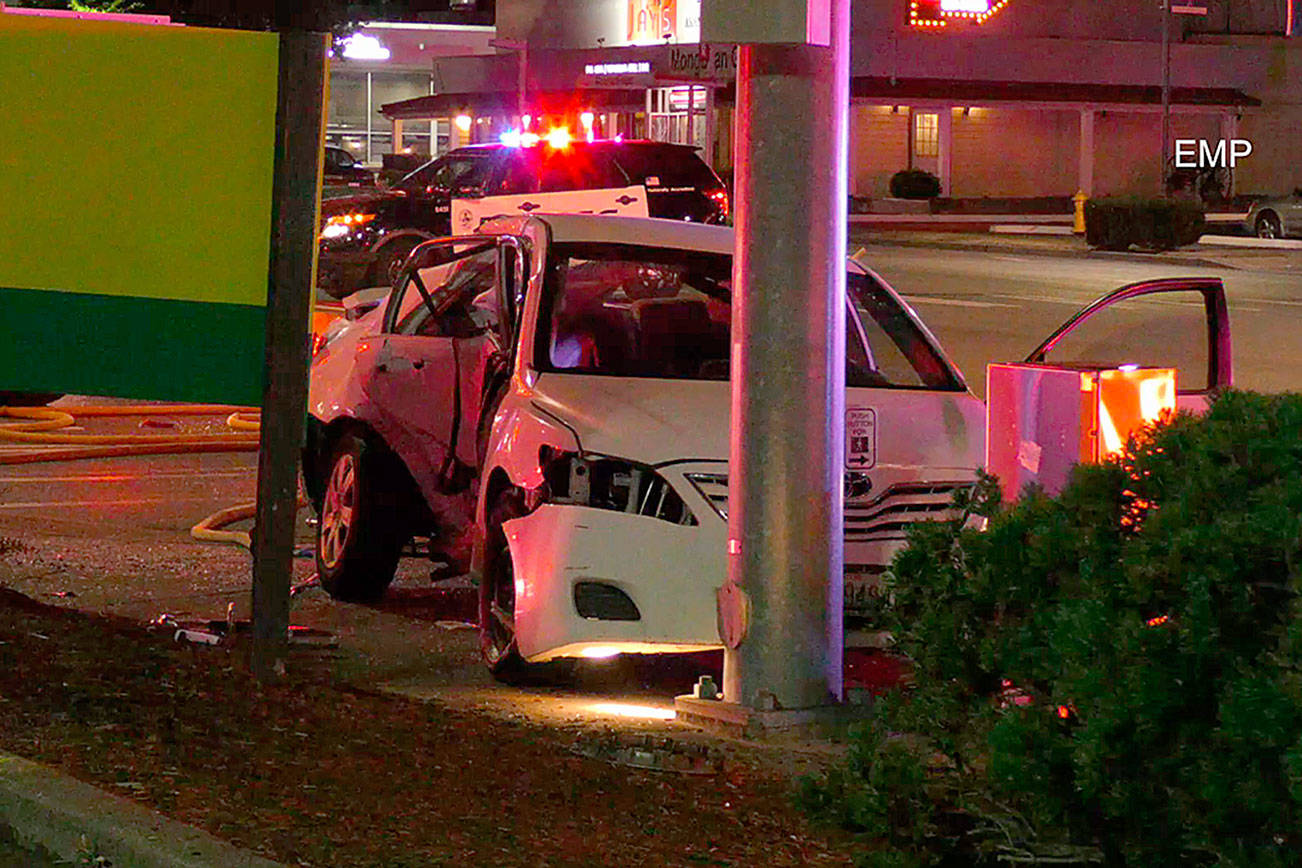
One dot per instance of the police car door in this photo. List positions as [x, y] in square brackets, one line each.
[576, 179]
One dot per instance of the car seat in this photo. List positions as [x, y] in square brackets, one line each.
[675, 336]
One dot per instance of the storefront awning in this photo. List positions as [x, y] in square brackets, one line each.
[882, 89]
[442, 105]
[966, 92]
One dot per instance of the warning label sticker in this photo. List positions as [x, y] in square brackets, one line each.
[860, 438]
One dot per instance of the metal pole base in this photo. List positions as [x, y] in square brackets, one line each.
[741, 721]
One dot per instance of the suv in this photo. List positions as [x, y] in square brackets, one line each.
[366, 238]
[341, 169]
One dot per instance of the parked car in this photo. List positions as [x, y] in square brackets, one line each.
[1279, 217]
[339, 168]
[365, 238]
[546, 402]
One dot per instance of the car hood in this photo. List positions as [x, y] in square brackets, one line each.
[369, 200]
[658, 421]
[649, 420]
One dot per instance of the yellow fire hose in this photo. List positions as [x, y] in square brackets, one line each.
[37, 425]
[210, 529]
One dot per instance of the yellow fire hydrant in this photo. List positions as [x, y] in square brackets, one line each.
[1078, 225]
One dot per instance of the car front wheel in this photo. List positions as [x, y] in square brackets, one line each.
[497, 642]
[1268, 226]
[361, 528]
[497, 633]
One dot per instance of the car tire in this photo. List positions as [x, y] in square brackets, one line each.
[497, 640]
[389, 260]
[362, 525]
[1267, 226]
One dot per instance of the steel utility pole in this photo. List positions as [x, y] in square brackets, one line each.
[521, 48]
[1166, 94]
[781, 606]
[300, 135]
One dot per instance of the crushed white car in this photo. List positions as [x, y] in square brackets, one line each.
[546, 404]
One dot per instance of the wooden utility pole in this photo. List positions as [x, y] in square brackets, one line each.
[300, 134]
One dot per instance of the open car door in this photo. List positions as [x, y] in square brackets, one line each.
[423, 373]
[1180, 323]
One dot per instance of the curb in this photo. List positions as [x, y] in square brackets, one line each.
[1010, 247]
[52, 810]
[941, 219]
[1257, 243]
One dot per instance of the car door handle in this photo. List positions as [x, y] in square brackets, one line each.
[526, 207]
[626, 199]
[418, 364]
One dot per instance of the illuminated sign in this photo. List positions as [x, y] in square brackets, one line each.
[651, 22]
[640, 67]
[359, 46]
[934, 14]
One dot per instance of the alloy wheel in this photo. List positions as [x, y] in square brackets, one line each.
[338, 509]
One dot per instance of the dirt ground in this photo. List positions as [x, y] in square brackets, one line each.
[318, 771]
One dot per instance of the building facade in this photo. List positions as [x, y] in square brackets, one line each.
[999, 98]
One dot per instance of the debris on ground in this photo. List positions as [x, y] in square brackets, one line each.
[456, 625]
[652, 753]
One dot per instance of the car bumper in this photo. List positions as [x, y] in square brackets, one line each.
[669, 571]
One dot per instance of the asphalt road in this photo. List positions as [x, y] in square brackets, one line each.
[997, 307]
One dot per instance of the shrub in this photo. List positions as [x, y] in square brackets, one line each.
[1115, 674]
[1155, 224]
[914, 184]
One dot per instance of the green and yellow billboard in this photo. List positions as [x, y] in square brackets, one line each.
[135, 208]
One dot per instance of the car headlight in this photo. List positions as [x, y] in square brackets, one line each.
[603, 482]
[340, 225]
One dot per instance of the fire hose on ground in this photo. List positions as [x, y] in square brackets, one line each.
[42, 426]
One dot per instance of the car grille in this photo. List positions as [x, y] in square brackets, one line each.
[888, 515]
[884, 517]
[714, 488]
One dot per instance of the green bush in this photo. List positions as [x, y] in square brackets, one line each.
[1154, 224]
[1115, 674]
[914, 184]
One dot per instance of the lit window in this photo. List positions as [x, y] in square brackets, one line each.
[926, 134]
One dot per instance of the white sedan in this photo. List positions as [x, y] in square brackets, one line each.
[547, 404]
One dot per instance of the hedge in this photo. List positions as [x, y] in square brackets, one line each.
[1153, 224]
[1110, 676]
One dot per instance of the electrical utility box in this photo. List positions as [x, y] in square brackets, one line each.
[767, 22]
[1042, 420]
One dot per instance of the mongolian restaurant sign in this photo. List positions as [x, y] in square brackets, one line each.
[704, 62]
[663, 65]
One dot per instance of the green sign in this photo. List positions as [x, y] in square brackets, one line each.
[135, 208]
